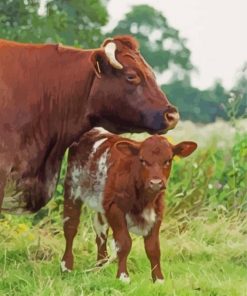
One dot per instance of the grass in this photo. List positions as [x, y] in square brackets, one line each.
[206, 255]
[203, 238]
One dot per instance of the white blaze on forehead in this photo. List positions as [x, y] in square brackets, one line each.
[142, 229]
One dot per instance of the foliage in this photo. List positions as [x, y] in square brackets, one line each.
[215, 177]
[197, 105]
[160, 44]
[72, 22]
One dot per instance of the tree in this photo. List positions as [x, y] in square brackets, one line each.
[197, 105]
[160, 43]
[73, 22]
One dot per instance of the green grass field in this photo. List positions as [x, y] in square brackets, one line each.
[203, 236]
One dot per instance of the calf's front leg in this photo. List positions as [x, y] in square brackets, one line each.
[117, 221]
[72, 211]
[152, 247]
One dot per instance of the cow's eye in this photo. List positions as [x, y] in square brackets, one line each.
[167, 163]
[133, 78]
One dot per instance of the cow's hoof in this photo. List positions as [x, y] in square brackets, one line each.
[124, 278]
[159, 281]
[64, 268]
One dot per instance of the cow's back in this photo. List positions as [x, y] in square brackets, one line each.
[88, 165]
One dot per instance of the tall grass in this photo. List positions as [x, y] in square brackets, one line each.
[203, 237]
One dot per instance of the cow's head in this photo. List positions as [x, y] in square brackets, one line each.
[125, 94]
[154, 159]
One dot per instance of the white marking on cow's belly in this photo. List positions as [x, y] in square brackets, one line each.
[88, 186]
[142, 229]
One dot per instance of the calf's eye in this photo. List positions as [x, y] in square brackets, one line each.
[167, 163]
[143, 162]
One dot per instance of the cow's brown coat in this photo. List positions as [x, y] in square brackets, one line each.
[51, 94]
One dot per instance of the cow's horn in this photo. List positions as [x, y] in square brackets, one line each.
[110, 49]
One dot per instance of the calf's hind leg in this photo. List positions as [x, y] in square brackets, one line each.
[101, 228]
[72, 211]
[117, 221]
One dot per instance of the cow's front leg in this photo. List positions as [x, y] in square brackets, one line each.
[101, 228]
[152, 247]
[72, 211]
[117, 221]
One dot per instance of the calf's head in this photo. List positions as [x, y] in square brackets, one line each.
[153, 159]
[125, 94]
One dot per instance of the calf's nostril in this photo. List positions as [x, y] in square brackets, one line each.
[155, 182]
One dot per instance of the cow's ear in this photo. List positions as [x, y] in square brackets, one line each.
[127, 147]
[184, 149]
[99, 61]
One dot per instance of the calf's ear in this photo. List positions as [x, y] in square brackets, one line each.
[128, 148]
[184, 149]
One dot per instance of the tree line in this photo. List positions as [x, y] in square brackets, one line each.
[79, 23]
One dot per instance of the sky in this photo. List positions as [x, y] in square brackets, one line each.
[216, 33]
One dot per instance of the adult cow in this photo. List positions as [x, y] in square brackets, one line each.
[51, 94]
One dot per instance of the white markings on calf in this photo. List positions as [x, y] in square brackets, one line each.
[87, 185]
[63, 267]
[66, 219]
[159, 281]
[100, 229]
[143, 228]
[101, 130]
[124, 278]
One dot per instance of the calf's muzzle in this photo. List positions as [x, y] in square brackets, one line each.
[156, 184]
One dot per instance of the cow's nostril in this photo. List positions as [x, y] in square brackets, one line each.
[171, 118]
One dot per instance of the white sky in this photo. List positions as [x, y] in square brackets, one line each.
[216, 33]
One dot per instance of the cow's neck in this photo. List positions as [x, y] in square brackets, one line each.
[69, 92]
[65, 95]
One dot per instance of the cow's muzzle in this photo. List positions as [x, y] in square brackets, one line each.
[171, 117]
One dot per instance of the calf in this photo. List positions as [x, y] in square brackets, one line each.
[124, 182]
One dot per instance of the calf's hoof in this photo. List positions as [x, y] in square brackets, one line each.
[124, 278]
[159, 281]
[63, 267]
